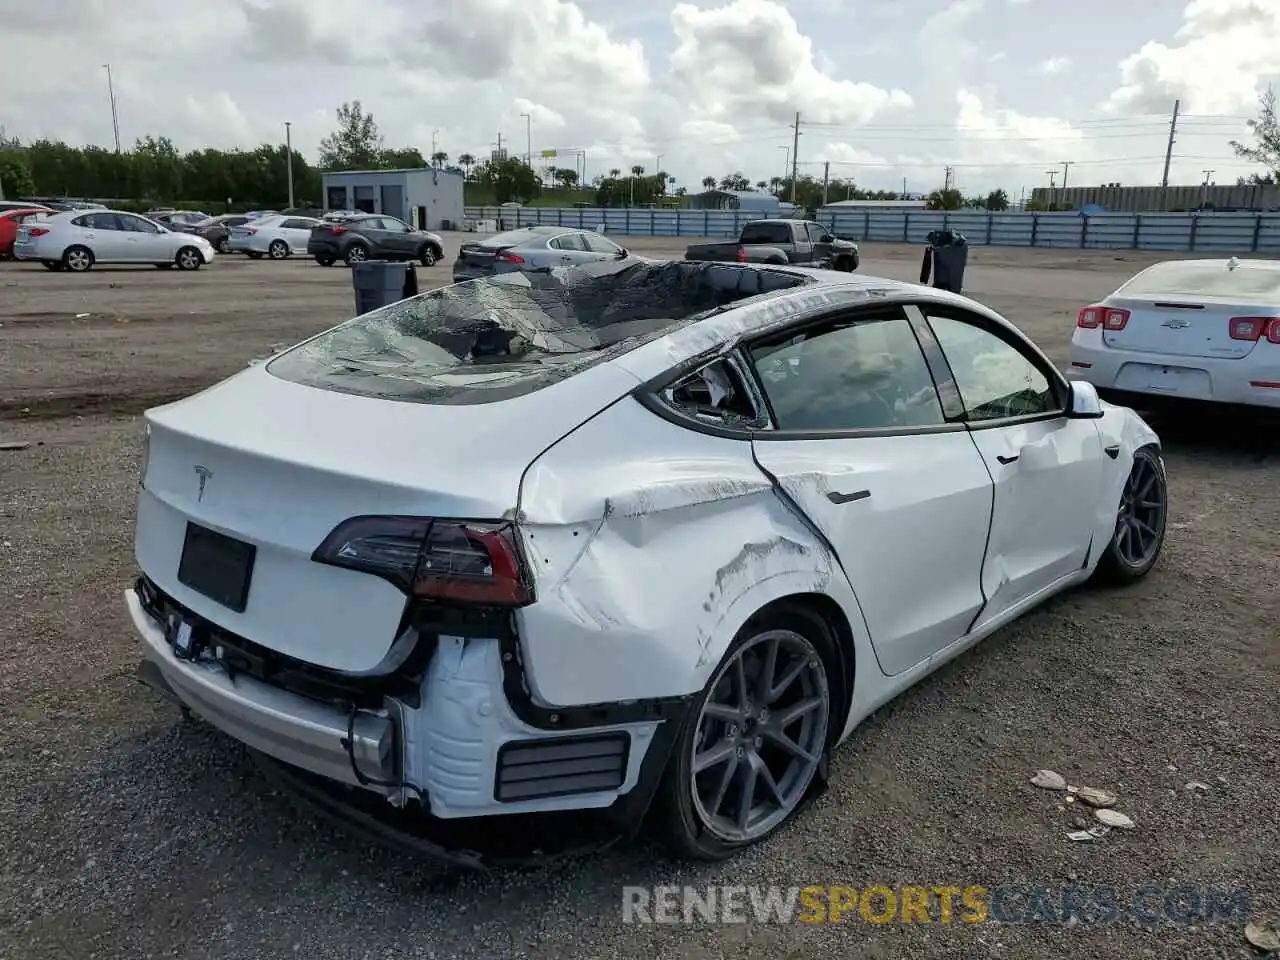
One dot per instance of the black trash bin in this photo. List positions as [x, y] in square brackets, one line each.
[380, 282]
[945, 257]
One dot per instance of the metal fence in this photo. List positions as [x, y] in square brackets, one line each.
[1219, 233]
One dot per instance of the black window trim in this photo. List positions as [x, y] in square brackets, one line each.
[651, 393]
[1005, 332]
[657, 401]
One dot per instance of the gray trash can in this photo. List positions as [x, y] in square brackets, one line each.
[945, 258]
[380, 282]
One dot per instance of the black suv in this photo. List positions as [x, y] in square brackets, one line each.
[373, 236]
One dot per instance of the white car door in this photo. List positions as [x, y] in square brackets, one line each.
[146, 242]
[102, 233]
[1048, 469]
[862, 446]
[296, 231]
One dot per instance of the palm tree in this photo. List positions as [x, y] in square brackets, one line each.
[775, 184]
[709, 182]
[637, 171]
[466, 161]
[762, 184]
[615, 173]
[439, 158]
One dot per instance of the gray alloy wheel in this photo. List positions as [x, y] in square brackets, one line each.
[429, 256]
[357, 253]
[78, 259]
[278, 250]
[188, 258]
[760, 737]
[223, 245]
[1140, 521]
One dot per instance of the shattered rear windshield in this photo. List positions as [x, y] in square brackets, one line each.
[510, 335]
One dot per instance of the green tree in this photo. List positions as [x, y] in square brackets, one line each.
[709, 183]
[466, 161]
[15, 177]
[950, 199]
[356, 144]
[567, 177]
[997, 200]
[439, 158]
[510, 179]
[404, 158]
[1266, 134]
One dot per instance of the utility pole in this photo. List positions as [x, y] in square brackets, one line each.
[795, 157]
[786, 163]
[1204, 187]
[947, 173]
[435, 145]
[115, 116]
[657, 169]
[1053, 189]
[904, 189]
[528, 139]
[826, 178]
[288, 152]
[1066, 168]
[1168, 156]
[499, 143]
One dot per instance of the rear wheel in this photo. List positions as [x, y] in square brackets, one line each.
[429, 255]
[756, 739]
[278, 250]
[357, 253]
[78, 259]
[223, 245]
[189, 258]
[1140, 522]
[164, 266]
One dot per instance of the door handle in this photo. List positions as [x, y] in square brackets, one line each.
[838, 498]
[1112, 451]
[1006, 460]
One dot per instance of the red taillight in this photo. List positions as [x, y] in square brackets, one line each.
[250, 230]
[1252, 329]
[1273, 331]
[741, 255]
[451, 560]
[1109, 318]
[338, 229]
[37, 231]
[506, 257]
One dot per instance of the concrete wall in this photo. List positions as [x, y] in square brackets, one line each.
[1216, 234]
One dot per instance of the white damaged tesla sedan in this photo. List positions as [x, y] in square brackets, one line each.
[649, 538]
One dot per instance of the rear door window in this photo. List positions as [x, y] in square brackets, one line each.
[570, 241]
[766, 233]
[598, 244]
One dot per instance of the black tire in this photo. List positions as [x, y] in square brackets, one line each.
[164, 266]
[223, 245]
[682, 818]
[54, 265]
[1141, 521]
[189, 258]
[430, 255]
[325, 261]
[356, 253]
[279, 250]
[253, 255]
[77, 258]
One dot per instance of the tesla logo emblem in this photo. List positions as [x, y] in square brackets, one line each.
[1176, 324]
[204, 473]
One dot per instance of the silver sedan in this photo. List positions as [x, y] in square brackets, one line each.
[533, 248]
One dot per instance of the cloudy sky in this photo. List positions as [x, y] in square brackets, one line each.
[1001, 90]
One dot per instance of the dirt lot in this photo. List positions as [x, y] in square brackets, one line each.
[125, 833]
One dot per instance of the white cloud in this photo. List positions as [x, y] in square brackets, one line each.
[1222, 53]
[749, 57]
[1054, 65]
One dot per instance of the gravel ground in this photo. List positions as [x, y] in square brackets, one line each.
[127, 833]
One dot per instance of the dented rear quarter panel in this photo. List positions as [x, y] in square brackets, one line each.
[651, 546]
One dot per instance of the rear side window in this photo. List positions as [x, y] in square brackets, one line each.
[298, 224]
[598, 244]
[507, 336]
[766, 233]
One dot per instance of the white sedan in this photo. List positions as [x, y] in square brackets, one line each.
[276, 236]
[1186, 330]
[622, 533]
[77, 239]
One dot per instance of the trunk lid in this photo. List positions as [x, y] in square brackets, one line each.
[279, 465]
[1183, 327]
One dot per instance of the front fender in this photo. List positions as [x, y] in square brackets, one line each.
[1123, 429]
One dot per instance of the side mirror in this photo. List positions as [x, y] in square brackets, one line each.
[1084, 403]
[623, 253]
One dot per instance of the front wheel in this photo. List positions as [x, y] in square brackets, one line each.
[357, 253]
[755, 740]
[1140, 522]
[189, 258]
[429, 256]
[278, 250]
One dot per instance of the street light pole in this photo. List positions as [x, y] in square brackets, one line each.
[435, 145]
[528, 139]
[115, 116]
[288, 151]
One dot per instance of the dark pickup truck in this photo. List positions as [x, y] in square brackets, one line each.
[799, 242]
